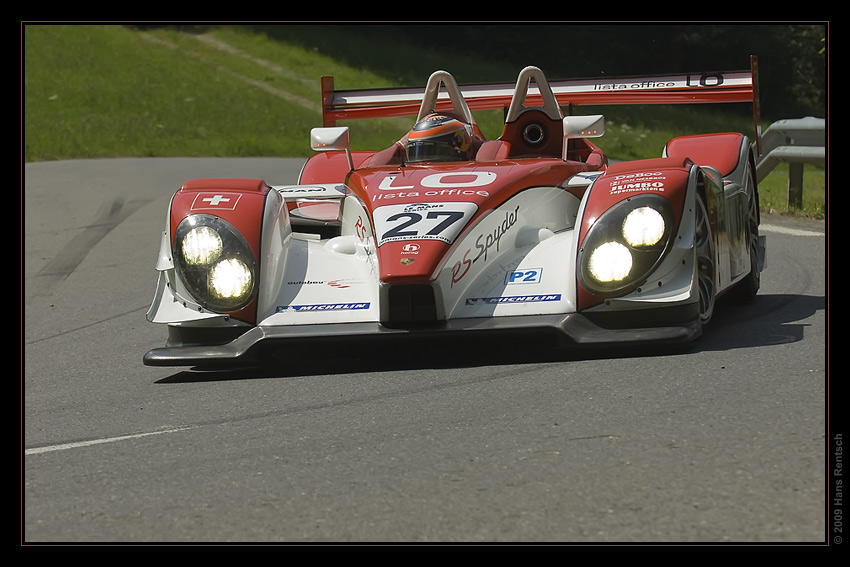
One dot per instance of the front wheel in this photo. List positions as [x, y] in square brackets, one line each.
[747, 288]
[705, 263]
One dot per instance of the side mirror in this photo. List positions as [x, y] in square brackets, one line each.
[329, 139]
[592, 126]
[332, 139]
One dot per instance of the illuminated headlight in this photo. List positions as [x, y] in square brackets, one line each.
[625, 244]
[643, 227]
[201, 246]
[215, 263]
[610, 262]
[230, 279]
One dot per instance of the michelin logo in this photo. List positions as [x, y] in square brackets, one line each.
[512, 299]
[323, 307]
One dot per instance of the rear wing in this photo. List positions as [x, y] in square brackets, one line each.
[690, 88]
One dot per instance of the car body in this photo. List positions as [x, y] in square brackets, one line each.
[535, 234]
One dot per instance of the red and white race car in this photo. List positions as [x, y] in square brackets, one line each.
[448, 235]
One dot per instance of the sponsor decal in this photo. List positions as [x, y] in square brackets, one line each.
[494, 238]
[339, 284]
[642, 181]
[360, 229]
[447, 184]
[447, 180]
[215, 201]
[422, 221]
[633, 86]
[304, 189]
[441, 193]
[689, 81]
[459, 179]
[512, 299]
[528, 276]
[323, 307]
[461, 267]
[483, 243]
[317, 190]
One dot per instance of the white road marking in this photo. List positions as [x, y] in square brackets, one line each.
[66, 446]
[788, 230]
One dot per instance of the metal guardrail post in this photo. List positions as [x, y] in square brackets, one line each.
[796, 142]
[795, 185]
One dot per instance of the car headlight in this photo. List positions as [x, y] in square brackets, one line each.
[201, 246]
[610, 262]
[230, 279]
[643, 226]
[215, 262]
[625, 244]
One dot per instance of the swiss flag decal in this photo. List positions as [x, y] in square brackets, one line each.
[217, 200]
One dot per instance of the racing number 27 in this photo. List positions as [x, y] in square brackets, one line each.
[399, 232]
[438, 221]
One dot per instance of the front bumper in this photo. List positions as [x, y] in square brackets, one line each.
[259, 345]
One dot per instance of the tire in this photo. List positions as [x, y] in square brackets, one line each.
[746, 290]
[706, 269]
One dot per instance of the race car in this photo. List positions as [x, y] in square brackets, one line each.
[448, 235]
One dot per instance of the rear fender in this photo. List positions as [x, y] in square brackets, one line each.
[728, 152]
[331, 167]
[728, 160]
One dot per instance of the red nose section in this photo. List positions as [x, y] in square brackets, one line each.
[411, 262]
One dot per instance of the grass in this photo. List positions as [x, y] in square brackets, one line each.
[773, 192]
[101, 91]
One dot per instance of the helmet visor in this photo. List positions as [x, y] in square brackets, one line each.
[431, 150]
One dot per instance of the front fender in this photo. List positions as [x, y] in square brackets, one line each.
[623, 186]
[256, 212]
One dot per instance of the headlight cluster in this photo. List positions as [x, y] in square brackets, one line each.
[215, 262]
[625, 244]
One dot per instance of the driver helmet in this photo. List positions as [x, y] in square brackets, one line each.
[439, 138]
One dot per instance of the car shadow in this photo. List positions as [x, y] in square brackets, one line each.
[767, 320]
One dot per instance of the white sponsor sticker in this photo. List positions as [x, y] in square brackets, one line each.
[422, 221]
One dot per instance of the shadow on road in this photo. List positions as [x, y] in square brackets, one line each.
[769, 320]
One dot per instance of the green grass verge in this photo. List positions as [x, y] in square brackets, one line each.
[773, 192]
[100, 91]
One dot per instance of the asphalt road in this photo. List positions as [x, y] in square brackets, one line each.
[725, 442]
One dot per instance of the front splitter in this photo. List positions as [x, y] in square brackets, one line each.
[570, 330]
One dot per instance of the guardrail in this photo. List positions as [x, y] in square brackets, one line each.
[795, 142]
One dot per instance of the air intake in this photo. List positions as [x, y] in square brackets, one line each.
[411, 304]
